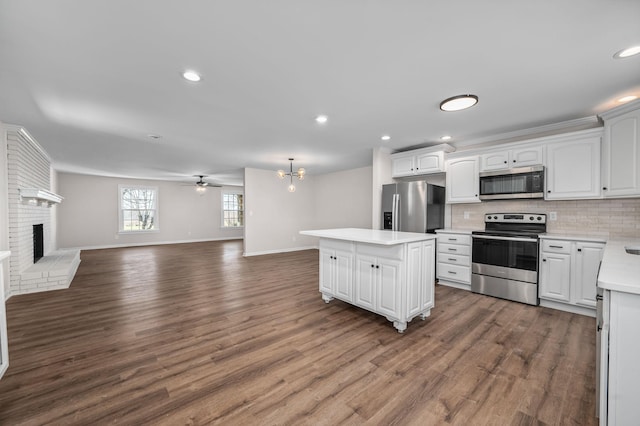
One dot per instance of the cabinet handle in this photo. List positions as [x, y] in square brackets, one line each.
[556, 247]
[505, 161]
[544, 260]
[599, 327]
[373, 266]
[452, 260]
[514, 161]
[548, 191]
[599, 297]
[452, 272]
[453, 249]
[604, 188]
[377, 266]
[453, 239]
[579, 249]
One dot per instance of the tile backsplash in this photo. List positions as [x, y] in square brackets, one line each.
[615, 218]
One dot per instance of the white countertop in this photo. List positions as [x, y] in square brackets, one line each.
[456, 231]
[620, 271]
[593, 239]
[371, 236]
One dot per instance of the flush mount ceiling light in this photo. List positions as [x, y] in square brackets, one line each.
[191, 76]
[299, 174]
[625, 53]
[457, 103]
[627, 98]
[385, 137]
[321, 119]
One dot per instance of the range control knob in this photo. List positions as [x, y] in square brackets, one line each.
[539, 217]
[495, 217]
[530, 217]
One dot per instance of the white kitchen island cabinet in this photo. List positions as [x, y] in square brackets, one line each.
[386, 272]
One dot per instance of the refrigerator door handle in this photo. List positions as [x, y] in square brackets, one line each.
[396, 214]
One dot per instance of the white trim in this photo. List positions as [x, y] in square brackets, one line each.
[621, 109]
[150, 243]
[260, 253]
[231, 192]
[27, 136]
[581, 310]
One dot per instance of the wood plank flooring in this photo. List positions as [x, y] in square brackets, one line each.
[196, 334]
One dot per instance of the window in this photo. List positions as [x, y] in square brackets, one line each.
[138, 208]
[232, 210]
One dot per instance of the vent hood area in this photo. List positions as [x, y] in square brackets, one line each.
[39, 197]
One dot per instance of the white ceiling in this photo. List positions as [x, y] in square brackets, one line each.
[91, 79]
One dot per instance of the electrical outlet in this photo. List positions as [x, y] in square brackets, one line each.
[553, 216]
[466, 215]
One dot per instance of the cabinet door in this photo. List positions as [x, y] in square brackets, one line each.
[415, 279]
[555, 276]
[522, 157]
[462, 180]
[365, 282]
[588, 257]
[432, 162]
[428, 275]
[326, 272]
[343, 273]
[494, 161]
[621, 156]
[389, 287]
[402, 166]
[573, 169]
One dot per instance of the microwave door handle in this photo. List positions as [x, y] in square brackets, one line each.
[489, 237]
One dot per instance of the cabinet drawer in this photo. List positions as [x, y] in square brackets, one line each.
[454, 239]
[454, 249]
[555, 246]
[454, 259]
[459, 273]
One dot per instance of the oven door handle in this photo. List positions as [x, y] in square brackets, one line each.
[489, 237]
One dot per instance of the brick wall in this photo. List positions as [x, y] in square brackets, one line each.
[27, 167]
[615, 218]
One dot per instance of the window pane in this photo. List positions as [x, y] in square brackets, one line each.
[138, 209]
[232, 210]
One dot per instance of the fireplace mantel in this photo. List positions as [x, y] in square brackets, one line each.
[40, 196]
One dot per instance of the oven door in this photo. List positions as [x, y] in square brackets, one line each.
[513, 258]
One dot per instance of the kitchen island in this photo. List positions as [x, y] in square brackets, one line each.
[618, 317]
[387, 272]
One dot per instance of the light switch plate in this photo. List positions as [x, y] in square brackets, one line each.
[553, 215]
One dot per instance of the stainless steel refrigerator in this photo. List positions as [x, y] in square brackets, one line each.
[413, 207]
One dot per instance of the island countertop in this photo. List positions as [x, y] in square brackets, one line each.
[619, 270]
[370, 236]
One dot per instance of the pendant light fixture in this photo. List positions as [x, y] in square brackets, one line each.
[299, 174]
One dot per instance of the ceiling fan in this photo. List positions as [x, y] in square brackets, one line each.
[202, 186]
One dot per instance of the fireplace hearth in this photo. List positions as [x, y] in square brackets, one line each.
[38, 242]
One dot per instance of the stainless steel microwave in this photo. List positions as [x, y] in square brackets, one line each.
[521, 182]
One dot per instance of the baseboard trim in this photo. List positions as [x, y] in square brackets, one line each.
[260, 253]
[151, 243]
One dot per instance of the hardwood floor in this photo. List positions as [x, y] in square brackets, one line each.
[197, 334]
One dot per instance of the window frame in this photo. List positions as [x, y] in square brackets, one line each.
[222, 209]
[156, 217]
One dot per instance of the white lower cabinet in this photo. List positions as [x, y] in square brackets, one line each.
[395, 281]
[454, 259]
[568, 274]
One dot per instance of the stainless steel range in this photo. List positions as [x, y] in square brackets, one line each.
[504, 257]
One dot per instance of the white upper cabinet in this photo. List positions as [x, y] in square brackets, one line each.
[462, 180]
[420, 161]
[507, 159]
[573, 167]
[621, 152]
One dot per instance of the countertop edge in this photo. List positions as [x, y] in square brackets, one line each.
[367, 236]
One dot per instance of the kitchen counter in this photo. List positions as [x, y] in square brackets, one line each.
[620, 271]
[456, 231]
[565, 237]
[387, 272]
[370, 236]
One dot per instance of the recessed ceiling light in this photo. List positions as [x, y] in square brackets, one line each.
[191, 76]
[625, 53]
[385, 137]
[153, 136]
[627, 98]
[445, 138]
[457, 103]
[322, 119]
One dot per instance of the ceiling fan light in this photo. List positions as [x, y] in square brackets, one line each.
[201, 189]
[457, 103]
